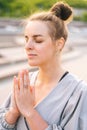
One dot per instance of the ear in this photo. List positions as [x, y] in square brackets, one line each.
[60, 44]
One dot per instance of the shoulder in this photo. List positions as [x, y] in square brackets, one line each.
[77, 90]
[75, 86]
[80, 86]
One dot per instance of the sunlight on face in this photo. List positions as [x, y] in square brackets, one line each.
[39, 45]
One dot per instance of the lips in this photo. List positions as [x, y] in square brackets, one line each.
[31, 55]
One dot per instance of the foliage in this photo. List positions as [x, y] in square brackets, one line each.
[83, 17]
[77, 3]
[22, 8]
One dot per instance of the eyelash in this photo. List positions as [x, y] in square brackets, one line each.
[37, 41]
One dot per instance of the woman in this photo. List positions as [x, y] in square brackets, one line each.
[51, 98]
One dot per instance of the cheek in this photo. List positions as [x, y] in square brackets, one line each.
[45, 49]
[47, 52]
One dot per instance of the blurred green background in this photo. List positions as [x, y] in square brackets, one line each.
[23, 8]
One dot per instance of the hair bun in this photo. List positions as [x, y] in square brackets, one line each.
[61, 10]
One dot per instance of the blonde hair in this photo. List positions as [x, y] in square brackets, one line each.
[55, 18]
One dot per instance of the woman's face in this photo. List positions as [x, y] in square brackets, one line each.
[39, 46]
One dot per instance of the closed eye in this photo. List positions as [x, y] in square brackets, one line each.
[38, 39]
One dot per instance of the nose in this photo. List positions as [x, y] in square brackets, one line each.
[29, 45]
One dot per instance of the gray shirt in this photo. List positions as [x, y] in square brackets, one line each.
[64, 108]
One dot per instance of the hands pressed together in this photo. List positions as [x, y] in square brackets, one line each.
[23, 97]
[22, 103]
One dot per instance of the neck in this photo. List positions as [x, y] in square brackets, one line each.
[50, 72]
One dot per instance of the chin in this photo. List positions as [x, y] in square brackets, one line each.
[32, 64]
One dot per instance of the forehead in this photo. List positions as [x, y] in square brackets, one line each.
[36, 27]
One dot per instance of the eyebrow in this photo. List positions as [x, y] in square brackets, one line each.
[38, 35]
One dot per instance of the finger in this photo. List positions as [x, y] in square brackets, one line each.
[33, 92]
[26, 79]
[21, 79]
[13, 95]
[27, 73]
[14, 82]
[16, 88]
[17, 91]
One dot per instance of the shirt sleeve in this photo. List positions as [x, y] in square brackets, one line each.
[75, 114]
[3, 109]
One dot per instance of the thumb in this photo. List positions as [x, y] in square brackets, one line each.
[32, 90]
[12, 94]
